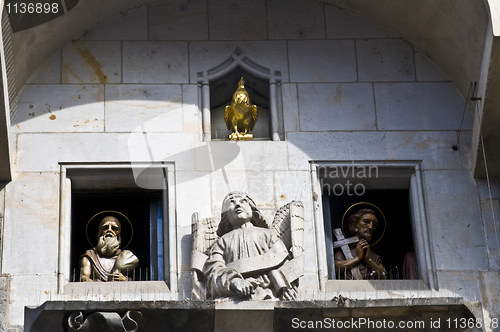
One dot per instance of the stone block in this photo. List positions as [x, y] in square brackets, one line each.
[445, 193]
[433, 148]
[345, 24]
[290, 107]
[49, 71]
[491, 294]
[186, 203]
[191, 112]
[149, 108]
[325, 107]
[31, 216]
[295, 19]
[244, 320]
[460, 284]
[130, 24]
[258, 185]
[322, 61]
[234, 20]
[155, 62]
[30, 291]
[179, 20]
[384, 60]
[91, 62]
[60, 108]
[43, 152]
[244, 155]
[206, 55]
[427, 70]
[418, 106]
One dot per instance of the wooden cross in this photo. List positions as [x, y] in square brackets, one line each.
[343, 244]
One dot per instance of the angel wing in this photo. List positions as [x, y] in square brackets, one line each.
[228, 116]
[288, 224]
[204, 232]
[254, 114]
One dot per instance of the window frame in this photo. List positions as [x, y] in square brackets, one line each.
[422, 237]
[119, 181]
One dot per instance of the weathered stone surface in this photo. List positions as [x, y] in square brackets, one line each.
[445, 193]
[246, 22]
[491, 294]
[32, 198]
[127, 25]
[255, 183]
[418, 106]
[60, 108]
[43, 152]
[179, 20]
[345, 24]
[206, 55]
[246, 155]
[153, 108]
[155, 62]
[4, 301]
[325, 107]
[384, 60]
[469, 288]
[49, 71]
[91, 62]
[322, 61]
[295, 19]
[433, 148]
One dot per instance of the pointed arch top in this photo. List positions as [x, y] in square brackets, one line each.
[239, 59]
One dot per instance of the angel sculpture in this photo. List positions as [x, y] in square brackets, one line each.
[241, 114]
[244, 257]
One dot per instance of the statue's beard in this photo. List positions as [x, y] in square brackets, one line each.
[108, 246]
[366, 235]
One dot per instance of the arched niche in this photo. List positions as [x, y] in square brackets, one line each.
[216, 88]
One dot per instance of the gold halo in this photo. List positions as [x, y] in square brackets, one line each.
[107, 211]
[385, 221]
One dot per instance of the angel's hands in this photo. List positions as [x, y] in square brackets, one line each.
[241, 287]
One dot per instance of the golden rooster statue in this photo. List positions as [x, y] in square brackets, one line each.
[240, 116]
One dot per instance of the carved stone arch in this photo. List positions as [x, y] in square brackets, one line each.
[217, 85]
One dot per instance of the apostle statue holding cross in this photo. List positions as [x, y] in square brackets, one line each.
[355, 260]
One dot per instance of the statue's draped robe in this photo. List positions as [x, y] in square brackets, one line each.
[365, 271]
[99, 272]
[238, 244]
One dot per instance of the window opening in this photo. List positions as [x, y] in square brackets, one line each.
[393, 242]
[145, 212]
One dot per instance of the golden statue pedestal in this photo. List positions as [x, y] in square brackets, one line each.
[240, 137]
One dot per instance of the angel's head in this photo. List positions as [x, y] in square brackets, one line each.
[238, 208]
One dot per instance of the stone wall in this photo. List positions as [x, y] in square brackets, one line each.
[352, 91]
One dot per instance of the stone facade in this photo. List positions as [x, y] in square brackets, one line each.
[352, 90]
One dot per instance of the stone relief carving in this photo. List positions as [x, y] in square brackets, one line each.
[355, 260]
[240, 115]
[105, 322]
[245, 257]
[106, 261]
